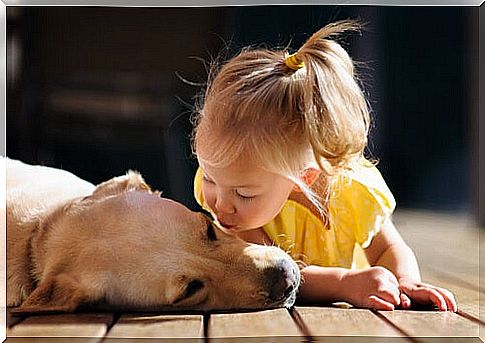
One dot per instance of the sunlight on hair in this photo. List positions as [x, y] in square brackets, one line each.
[257, 107]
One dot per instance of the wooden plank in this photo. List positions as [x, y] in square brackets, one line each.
[330, 321]
[58, 339]
[63, 325]
[447, 248]
[159, 326]
[271, 323]
[446, 243]
[452, 278]
[431, 323]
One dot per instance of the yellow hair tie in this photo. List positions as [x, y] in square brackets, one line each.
[293, 62]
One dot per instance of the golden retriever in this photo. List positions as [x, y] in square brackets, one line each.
[120, 245]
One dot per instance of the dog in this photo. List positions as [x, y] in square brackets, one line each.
[120, 245]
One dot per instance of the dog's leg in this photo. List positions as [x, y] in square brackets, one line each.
[60, 293]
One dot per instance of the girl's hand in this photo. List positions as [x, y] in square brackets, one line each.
[375, 287]
[426, 294]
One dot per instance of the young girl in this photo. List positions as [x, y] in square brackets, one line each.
[280, 141]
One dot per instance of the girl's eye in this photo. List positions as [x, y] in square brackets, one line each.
[245, 196]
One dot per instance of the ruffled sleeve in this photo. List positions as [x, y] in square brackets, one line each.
[367, 199]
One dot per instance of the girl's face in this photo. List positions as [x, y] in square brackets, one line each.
[242, 195]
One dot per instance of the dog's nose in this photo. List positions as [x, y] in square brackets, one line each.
[283, 278]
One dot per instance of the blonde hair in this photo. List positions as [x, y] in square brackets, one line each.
[286, 119]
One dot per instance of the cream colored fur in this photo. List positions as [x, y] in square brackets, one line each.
[120, 245]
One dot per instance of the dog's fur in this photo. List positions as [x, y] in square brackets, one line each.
[120, 245]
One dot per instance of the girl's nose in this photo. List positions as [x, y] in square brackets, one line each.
[224, 206]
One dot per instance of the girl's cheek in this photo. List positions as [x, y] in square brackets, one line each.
[250, 211]
[262, 214]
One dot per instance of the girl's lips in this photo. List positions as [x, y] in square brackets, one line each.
[226, 226]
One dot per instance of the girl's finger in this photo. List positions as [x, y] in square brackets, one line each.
[377, 303]
[390, 293]
[405, 301]
[449, 298]
[435, 297]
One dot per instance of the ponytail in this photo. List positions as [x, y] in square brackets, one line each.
[336, 115]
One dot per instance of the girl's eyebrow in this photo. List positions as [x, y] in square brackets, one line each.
[247, 186]
[204, 174]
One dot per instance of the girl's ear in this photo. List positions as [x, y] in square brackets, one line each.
[310, 175]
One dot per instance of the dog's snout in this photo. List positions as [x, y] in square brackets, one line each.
[283, 279]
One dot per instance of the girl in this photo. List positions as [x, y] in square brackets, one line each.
[280, 141]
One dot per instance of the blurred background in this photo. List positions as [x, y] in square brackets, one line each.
[100, 90]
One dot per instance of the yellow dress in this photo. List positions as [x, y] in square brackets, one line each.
[359, 204]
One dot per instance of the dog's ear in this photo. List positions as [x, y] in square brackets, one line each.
[132, 181]
[60, 293]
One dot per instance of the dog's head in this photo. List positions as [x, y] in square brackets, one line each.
[126, 247]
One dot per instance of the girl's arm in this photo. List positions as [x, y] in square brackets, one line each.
[321, 284]
[389, 250]
[374, 287]
[393, 280]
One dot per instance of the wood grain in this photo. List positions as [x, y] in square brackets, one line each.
[444, 242]
[431, 323]
[159, 326]
[276, 322]
[328, 321]
[63, 325]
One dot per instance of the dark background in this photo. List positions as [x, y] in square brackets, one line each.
[99, 90]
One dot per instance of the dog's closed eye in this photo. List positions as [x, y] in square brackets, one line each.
[192, 288]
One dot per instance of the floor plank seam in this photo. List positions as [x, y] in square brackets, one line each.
[116, 317]
[206, 320]
[470, 317]
[402, 331]
[295, 315]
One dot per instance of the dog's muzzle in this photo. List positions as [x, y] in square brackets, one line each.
[283, 280]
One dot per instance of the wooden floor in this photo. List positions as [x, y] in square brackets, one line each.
[447, 247]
